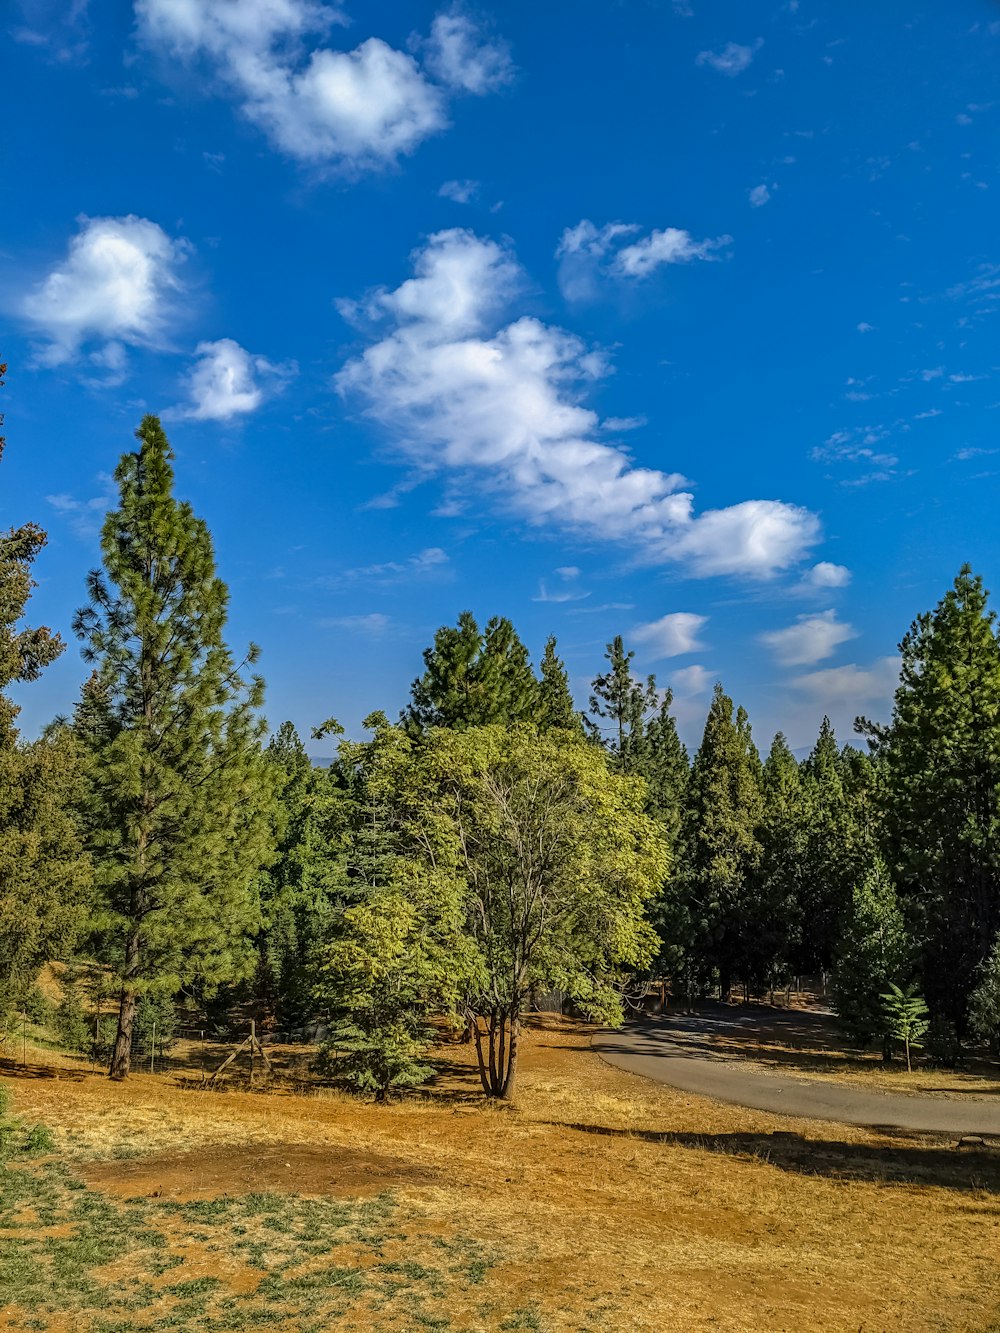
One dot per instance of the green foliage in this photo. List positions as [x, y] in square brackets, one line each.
[940, 756]
[44, 874]
[473, 677]
[554, 705]
[71, 1024]
[874, 953]
[623, 704]
[716, 886]
[984, 1002]
[906, 1017]
[179, 797]
[303, 885]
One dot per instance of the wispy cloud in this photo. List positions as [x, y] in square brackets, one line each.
[586, 252]
[731, 59]
[431, 560]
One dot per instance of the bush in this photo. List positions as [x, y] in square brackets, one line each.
[72, 1028]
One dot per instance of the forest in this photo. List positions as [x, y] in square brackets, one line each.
[490, 845]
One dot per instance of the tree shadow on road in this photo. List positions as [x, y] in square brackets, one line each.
[908, 1159]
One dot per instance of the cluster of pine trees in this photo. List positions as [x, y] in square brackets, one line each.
[491, 844]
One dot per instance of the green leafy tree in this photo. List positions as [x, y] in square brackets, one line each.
[178, 784]
[906, 1018]
[874, 952]
[939, 758]
[44, 873]
[559, 862]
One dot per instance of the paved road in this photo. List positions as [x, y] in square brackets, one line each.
[677, 1051]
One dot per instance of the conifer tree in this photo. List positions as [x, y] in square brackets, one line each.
[177, 776]
[44, 874]
[720, 837]
[774, 922]
[555, 707]
[301, 888]
[873, 952]
[940, 761]
[473, 677]
[624, 703]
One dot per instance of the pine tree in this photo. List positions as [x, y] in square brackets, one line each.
[177, 776]
[666, 768]
[624, 703]
[940, 759]
[774, 920]
[873, 952]
[720, 839]
[554, 706]
[304, 883]
[473, 678]
[44, 873]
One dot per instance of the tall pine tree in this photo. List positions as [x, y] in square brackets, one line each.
[178, 778]
[940, 761]
[473, 677]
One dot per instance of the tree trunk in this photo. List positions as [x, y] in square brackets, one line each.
[121, 1055]
[506, 1091]
[909, 1067]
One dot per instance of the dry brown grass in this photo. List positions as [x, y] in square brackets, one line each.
[605, 1201]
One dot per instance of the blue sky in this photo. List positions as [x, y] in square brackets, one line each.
[676, 320]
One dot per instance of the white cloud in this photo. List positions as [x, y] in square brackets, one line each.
[851, 684]
[827, 575]
[670, 246]
[759, 196]
[691, 681]
[118, 284]
[586, 251]
[732, 59]
[351, 109]
[500, 405]
[460, 192]
[865, 327]
[226, 381]
[672, 635]
[810, 639]
[462, 58]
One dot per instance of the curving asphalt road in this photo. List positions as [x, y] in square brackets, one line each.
[677, 1050]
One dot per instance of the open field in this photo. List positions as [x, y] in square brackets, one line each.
[605, 1202]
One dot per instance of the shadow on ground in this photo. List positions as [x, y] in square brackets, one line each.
[923, 1162]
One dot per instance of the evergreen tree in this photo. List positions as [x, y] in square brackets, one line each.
[773, 917]
[625, 704]
[940, 761]
[720, 840]
[839, 844]
[177, 778]
[554, 706]
[472, 678]
[873, 952]
[667, 770]
[44, 873]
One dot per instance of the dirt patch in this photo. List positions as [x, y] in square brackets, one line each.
[305, 1169]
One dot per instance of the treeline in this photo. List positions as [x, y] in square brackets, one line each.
[491, 845]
